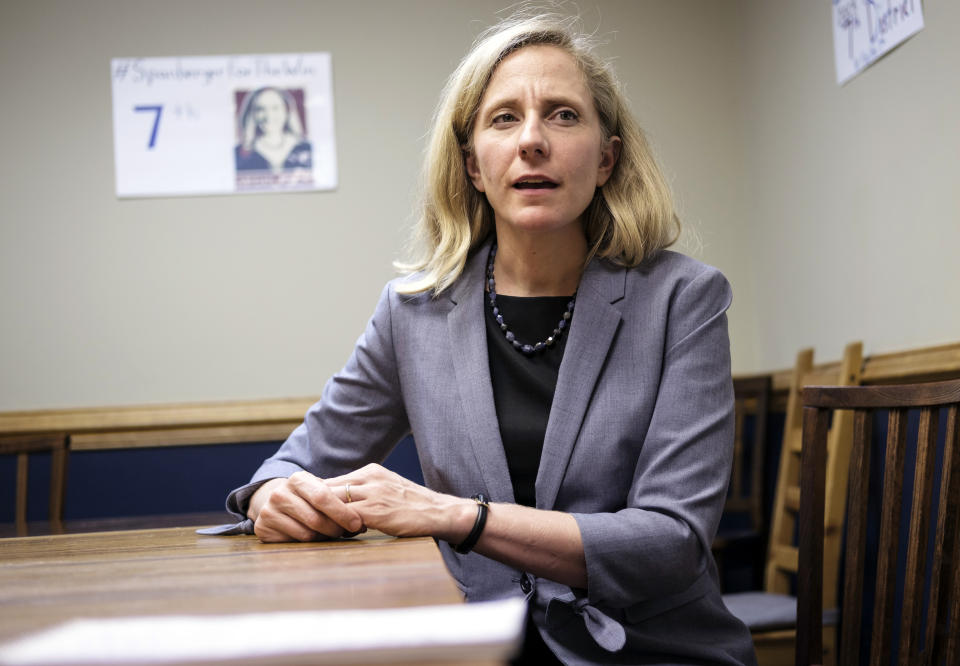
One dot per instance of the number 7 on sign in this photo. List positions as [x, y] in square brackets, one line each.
[158, 109]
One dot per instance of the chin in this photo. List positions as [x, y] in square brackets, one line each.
[543, 224]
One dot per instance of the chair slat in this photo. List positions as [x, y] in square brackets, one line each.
[889, 530]
[952, 633]
[856, 535]
[942, 640]
[58, 484]
[23, 473]
[813, 480]
[919, 529]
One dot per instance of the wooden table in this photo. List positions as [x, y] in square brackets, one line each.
[47, 580]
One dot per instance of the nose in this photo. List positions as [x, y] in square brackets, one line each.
[533, 141]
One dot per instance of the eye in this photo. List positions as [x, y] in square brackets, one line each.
[504, 118]
[567, 115]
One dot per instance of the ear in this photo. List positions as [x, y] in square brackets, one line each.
[470, 162]
[609, 154]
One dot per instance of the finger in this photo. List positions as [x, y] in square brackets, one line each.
[273, 526]
[348, 493]
[285, 501]
[300, 510]
[320, 496]
[352, 478]
[364, 474]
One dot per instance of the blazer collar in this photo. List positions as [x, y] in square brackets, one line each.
[591, 334]
[592, 330]
[471, 365]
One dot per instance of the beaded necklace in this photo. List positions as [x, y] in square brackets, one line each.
[526, 349]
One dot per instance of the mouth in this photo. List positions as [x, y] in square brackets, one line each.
[535, 184]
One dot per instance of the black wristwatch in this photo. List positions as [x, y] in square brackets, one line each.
[483, 505]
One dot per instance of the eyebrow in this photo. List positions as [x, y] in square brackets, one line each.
[550, 102]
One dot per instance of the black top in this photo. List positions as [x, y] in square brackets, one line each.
[523, 385]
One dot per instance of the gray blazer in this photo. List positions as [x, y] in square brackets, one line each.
[638, 449]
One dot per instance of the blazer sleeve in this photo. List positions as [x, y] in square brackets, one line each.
[360, 416]
[659, 545]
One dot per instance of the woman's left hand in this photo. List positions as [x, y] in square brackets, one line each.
[396, 506]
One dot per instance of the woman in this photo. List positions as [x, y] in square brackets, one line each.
[566, 379]
[271, 133]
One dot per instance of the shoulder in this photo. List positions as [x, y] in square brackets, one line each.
[396, 293]
[667, 264]
[406, 310]
[666, 286]
[671, 274]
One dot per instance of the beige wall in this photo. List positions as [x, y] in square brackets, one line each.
[207, 298]
[851, 194]
[780, 174]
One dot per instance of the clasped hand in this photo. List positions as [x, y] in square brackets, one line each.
[305, 507]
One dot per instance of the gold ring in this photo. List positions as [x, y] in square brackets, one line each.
[347, 489]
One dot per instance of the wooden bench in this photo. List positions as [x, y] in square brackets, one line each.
[98, 428]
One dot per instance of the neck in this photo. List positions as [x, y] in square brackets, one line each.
[541, 264]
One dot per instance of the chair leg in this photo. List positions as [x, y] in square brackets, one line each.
[58, 485]
[23, 471]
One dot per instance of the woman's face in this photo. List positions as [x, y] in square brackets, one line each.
[538, 149]
[270, 112]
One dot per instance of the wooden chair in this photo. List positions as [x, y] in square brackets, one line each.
[771, 614]
[22, 446]
[941, 627]
[745, 499]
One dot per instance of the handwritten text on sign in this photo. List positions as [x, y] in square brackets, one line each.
[863, 30]
[223, 124]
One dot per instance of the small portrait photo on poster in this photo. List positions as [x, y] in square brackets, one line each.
[272, 151]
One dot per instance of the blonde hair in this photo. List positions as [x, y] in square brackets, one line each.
[630, 218]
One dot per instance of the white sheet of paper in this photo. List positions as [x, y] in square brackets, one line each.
[492, 629]
[192, 125]
[863, 30]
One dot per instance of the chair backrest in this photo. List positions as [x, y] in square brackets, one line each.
[745, 495]
[782, 556]
[752, 397]
[22, 446]
[941, 640]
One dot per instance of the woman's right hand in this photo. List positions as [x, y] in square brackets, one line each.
[300, 508]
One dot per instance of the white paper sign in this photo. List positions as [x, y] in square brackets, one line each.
[863, 30]
[223, 124]
[485, 630]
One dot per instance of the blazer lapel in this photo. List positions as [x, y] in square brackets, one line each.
[594, 324]
[468, 339]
